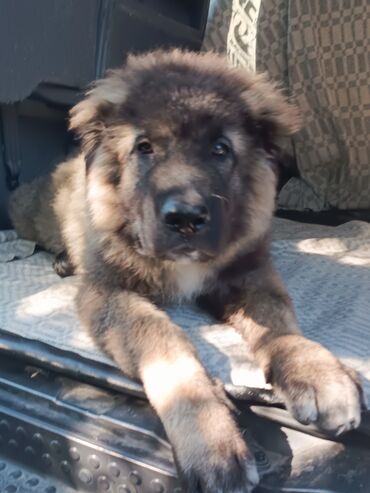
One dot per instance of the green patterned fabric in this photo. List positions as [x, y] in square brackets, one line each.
[320, 51]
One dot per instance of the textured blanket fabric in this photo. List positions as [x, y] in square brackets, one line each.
[12, 248]
[327, 271]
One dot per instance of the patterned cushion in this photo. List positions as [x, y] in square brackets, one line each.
[320, 51]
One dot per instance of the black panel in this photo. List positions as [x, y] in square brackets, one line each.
[46, 41]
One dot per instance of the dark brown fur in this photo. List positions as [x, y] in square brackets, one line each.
[108, 221]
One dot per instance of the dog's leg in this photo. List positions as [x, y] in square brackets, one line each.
[145, 344]
[315, 385]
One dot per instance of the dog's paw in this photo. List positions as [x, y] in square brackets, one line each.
[316, 387]
[233, 473]
[211, 454]
[63, 265]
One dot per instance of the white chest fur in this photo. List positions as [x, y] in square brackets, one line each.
[189, 279]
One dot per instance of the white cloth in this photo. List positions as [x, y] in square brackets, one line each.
[12, 248]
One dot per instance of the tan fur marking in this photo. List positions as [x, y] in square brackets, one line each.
[164, 378]
[108, 91]
[104, 202]
[238, 139]
[121, 140]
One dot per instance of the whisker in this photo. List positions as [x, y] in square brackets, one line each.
[221, 197]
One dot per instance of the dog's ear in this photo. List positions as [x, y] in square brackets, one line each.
[272, 115]
[88, 117]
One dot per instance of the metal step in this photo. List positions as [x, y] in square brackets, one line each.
[58, 433]
[16, 479]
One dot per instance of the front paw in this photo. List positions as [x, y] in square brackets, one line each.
[211, 454]
[315, 386]
[63, 266]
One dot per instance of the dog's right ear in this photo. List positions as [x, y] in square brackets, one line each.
[273, 116]
[88, 117]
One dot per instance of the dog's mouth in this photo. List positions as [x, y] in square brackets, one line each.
[183, 252]
[186, 253]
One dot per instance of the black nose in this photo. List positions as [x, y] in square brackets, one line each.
[184, 218]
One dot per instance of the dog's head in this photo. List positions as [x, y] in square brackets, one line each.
[179, 149]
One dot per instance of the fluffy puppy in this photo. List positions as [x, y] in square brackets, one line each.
[171, 198]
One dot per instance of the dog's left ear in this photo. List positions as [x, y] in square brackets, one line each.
[88, 117]
[272, 116]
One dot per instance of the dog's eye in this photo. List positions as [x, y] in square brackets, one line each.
[220, 148]
[144, 147]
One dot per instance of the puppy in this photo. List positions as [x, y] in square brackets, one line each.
[172, 198]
